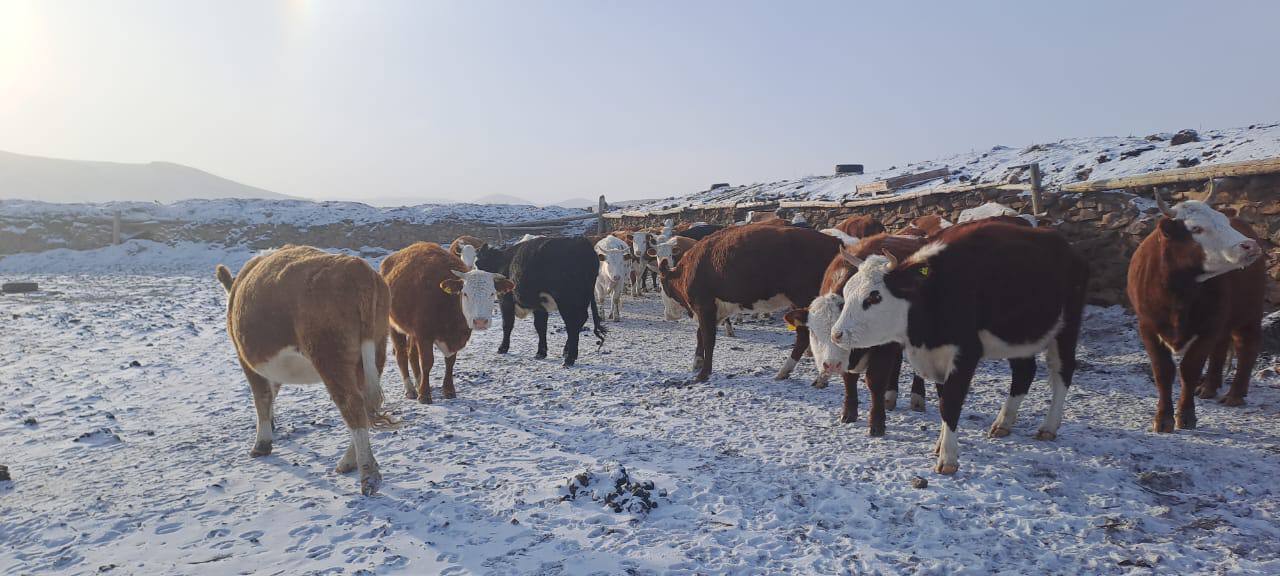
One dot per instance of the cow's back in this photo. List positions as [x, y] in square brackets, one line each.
[561, 267]
[418, 304]
[752, 263]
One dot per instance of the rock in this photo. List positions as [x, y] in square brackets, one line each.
[1188, 162]
[1155, 138]
[4, 474]
[919, 483]
[1183, 137]
[1083, 175]
[1135, 152]
[135, 364]
[1103, 158]
[30, 421]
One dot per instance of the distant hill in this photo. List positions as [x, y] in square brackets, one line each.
[59, 180]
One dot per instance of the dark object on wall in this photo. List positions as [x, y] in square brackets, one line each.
[719, 185]
[18, 287]
[848, 168]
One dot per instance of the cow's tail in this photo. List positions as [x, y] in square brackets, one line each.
[225, 277]
[374, 323]
[599, 330]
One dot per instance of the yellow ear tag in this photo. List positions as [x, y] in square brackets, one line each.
[445, 286]
[924, 271]
[791, 327]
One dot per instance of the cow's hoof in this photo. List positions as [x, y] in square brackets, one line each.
[848, 417]
[700, 377]
[998, 431]
[411, 394]
[1046, 435]
[450, 394]
[1229, 400]
[344, 466]
[567, 364]
[1186, 421]
[1206, 393]
[540, 356]
[370, 483]
[876, 430]
[917, 403]
[424, 398]
[946, 468]
[503, 349]
[1162, 425]
[820, 383]
[260, 449]
[781, 375]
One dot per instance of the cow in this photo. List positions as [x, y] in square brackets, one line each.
[753, 268]
[466, 247]
[1196, 284]
[853, 228]
[699, 231]
[550, 274]
[926, 226]
[299, 315]
[436, 301]
[615, 265]
[882, 364]
[985, 290]
[671, 252]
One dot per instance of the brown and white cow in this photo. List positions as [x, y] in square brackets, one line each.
[854, 228]
[466, 247]
[435, 303]
[751, 268]
[671, 252]
[926, 226]
[1196, 284]
[882, 364]
[299, 315]
[983, 290]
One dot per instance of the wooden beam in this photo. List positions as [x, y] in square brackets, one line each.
[903, 181]
[1179, 175]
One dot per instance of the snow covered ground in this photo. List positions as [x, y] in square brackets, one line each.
[1061, 162]
[126, 424]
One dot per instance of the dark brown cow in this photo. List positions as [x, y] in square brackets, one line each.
[882, 364]
[1196, 284]
[982, 290]
[751, 268]
[435, 303]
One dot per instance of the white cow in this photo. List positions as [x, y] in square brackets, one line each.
[641, 242]
[614, 267]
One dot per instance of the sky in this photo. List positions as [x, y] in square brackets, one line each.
[549, 100]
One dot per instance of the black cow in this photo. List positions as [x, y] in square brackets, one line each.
[700, 231]
[550, 274]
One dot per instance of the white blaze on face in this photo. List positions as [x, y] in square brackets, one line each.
[666, 251]
[1225, 248]
[468, 256]
[872, 315]
[828, 356]
[613, 266]
[477, 296]
[639, 244]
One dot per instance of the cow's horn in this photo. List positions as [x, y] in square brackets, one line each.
[849, 257]
[1208, 195]
[1164, 208]
[893, 260]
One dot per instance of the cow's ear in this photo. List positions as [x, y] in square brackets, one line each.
[451, 286]
[907, 281]
[650, 252]
[797, 317]
[1174, 229]
[1228, 212]
[599, 256]
[503, 284]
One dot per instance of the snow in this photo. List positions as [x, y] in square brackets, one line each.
[135, 457]
[300, 213]
[1061, 162]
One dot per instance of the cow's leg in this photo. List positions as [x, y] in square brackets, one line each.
[1190, 370]
[1162, 370]
[427, 359]
[850, 411]
[917, 393]
[797, 352]
[707, 326]
[891, 386]
[1212, 381]
[400, 343]
[507, 305]
[882, 364]
[540, 316]
[1061, 357]
[448, 390]
[953, 394]
[1023, 371]
[263, 400]
[573, 323]
[344, 380]
[1247, 342]
[617, 303]
[728, 328]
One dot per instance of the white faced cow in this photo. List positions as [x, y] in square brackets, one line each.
[982, 290]
[615, 267]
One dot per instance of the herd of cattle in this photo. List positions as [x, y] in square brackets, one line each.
[946, 296]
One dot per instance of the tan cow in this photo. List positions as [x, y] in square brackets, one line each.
[301, 316]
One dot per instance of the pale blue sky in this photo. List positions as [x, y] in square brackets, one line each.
[556, 99]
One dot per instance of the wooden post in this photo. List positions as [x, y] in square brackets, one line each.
[1035, 189]
[600, 226]
[115, 228]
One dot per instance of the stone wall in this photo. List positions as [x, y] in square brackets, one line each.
[1106, 227]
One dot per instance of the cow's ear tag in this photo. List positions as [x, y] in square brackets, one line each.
[791, 327]
[924, 271]
[445, 286]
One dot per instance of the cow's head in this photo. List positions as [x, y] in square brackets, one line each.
[613, 264]
[666, 251]
[1224, 248]
[639, 243]
[876, 301]
[477, 290]
[468, 255]
[672, 307]
[821, 317]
